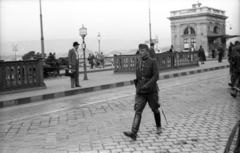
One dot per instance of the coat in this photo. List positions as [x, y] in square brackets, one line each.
[147, 73]
[72, 57]
[152, 53]
[220, 50]
[201, 55]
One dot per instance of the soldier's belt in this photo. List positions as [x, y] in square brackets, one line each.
[143, 79]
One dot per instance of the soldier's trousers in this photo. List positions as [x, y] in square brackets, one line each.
[142, 99]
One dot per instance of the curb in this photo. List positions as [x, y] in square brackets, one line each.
[26, 100]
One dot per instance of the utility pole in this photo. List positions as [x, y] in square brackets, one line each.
[150, 23]
[42, 39]
[15, 50]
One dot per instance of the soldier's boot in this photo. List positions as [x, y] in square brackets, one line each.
[157, 118]
[234, 93]
[236, 88]
[135, 127]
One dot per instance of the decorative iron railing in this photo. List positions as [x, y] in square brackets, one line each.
[127, 63]
[18, 75]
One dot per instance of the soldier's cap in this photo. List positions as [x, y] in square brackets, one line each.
[143, 46]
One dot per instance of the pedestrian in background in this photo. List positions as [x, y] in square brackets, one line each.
[91, 60]
[101, 60]
[172, 50]
[220, 53]
[201, 55]
[73, 61]
[213, 52]
[147, 75]
[152, 51]
[235, 77]
[230, 48]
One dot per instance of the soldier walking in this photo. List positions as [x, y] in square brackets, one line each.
[235, 78]
[147, 75]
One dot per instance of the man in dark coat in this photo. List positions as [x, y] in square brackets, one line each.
[220, 53]
[90, 60]
[152, 51]
[235, 77]
[229, 56]
[147, 75]
[172, 50]
[73, 61]
[201, 55]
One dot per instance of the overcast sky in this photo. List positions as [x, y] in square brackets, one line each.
[114, 19]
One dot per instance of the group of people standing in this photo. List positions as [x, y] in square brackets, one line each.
[234, 60]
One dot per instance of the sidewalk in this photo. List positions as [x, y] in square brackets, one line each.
[60, 86]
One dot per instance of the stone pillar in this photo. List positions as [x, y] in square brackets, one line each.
[40, 76]
[173, 35]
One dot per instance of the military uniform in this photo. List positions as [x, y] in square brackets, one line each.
[235, 78]
[147, 75]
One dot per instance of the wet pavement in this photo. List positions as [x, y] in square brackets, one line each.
[199, 110]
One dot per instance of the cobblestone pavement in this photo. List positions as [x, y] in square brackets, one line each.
[199, 110]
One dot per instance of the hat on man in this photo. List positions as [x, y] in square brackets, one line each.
[152, 44]
[75, 43]
[143, 46]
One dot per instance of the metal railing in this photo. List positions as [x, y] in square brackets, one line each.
[127, 63]
[20, 75]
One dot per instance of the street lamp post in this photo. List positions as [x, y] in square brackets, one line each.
[42, 39]
[83, 33]
[150, 33]
[99, 38]
[15, 50]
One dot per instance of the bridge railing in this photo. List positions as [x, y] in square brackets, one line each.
[21, 75]
[127, 63]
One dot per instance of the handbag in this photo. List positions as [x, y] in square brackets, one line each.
[69, 72]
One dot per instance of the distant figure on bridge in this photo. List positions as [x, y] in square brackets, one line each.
[213, 52]
[235, 78]
[91, 60]
[172, 50]
[230, 48]
[201, 55]
[152, 51]
[220, 53]
[147, 75]
[73, 61]
[101, 60]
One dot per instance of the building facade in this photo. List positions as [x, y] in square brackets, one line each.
[198, 26]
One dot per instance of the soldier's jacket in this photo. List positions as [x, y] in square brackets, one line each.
[147, 72]
[235, 59]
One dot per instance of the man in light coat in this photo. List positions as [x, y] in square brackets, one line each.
[73, 61]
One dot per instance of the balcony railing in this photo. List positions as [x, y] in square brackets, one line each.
[21, 75]
[127, 63]
[197, 10]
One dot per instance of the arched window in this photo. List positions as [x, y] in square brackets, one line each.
[189, 31]
[216, 30]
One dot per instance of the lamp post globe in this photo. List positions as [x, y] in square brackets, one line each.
[99, 39]
[83, 33]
